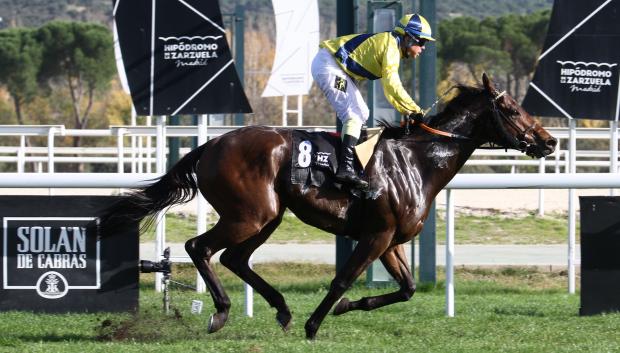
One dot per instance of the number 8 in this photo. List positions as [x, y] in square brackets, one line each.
[304, 158]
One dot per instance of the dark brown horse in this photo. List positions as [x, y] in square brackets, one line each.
[246, 176]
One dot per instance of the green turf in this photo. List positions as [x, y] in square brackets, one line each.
[502, 310]
[469, 229]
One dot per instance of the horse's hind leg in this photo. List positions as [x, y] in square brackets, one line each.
[200, 250]
[395, 262]
[236, 259]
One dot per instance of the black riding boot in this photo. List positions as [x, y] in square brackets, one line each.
[346, 172]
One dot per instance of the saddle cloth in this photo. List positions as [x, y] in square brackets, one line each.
[315, 157]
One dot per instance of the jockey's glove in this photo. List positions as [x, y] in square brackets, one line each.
[418, 117]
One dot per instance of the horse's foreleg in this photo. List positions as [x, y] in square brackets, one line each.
[395, 262]
[366, 251]
[236, 259]
[200, 250]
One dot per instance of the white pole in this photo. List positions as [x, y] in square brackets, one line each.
[541, 192]
[140, 154]
[120, 164]
[133, 139]
[558, 152]
[21, 154]
[50, 149]
[571, 208]
[613, 145]
[284, 109]
[149, 159]
[160, 230]
[249, 296]
[300, 110]
[201, 208]
[449, 254]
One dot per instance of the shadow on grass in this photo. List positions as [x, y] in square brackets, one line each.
[47, 338]
[519, 311]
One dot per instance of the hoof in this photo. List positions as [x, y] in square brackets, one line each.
[217, 321]
[310, 331]
[284, 320]
[342, 307]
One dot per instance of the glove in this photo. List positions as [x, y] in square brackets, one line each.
[418, 117]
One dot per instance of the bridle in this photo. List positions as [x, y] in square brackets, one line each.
[500, 119]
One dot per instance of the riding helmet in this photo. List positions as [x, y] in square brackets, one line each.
[415, 25]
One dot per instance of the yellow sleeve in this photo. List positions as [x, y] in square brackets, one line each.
[392, 86]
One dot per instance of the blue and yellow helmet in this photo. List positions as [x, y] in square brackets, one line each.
[415, 25]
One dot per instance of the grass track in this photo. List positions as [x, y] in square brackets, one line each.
[470, 229]
[501, 310]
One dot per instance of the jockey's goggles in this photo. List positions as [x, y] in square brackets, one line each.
[419, 41]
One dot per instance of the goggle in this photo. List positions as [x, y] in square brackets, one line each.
[420, 42]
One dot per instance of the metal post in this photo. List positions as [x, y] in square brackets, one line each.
[427, 244]
[571, 209]
[428, 83]
[345, 24]
[239, 24]
[160, 230]
[201, 208]
[449, 254]
[174, 144]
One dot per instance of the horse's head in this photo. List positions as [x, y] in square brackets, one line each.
[509, 125]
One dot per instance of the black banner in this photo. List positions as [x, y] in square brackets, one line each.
[577, 72]
[600, 263]
[177, 59]
[54, 259]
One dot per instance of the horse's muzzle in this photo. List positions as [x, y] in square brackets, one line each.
[540, 149]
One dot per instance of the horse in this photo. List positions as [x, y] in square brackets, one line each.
[246, 176]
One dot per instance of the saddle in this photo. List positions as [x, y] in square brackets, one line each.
[315, 156]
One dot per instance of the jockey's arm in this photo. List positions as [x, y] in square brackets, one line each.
[392, 85]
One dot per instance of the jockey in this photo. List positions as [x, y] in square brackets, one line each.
[343, 61]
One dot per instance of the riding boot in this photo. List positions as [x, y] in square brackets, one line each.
[346, 172]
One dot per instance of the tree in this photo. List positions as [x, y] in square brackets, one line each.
[506, 46]
[20, 62]
[79, 57]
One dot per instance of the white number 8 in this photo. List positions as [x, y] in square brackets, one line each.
[304, 158]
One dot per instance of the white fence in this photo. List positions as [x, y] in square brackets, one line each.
[140, 152]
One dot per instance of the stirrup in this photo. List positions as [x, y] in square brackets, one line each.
[352, 180]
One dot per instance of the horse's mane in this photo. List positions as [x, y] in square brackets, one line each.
[455, 106]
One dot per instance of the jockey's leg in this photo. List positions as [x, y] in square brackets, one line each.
[346, 171]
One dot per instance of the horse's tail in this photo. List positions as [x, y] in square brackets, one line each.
[178, 185]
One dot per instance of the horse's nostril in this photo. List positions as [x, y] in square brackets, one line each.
[551, 143]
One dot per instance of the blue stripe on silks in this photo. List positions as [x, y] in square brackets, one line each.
[397, 37]
[345, 50]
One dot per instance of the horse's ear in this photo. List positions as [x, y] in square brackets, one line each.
[487, 83]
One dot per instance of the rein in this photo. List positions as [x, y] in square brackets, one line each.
[500, 119]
